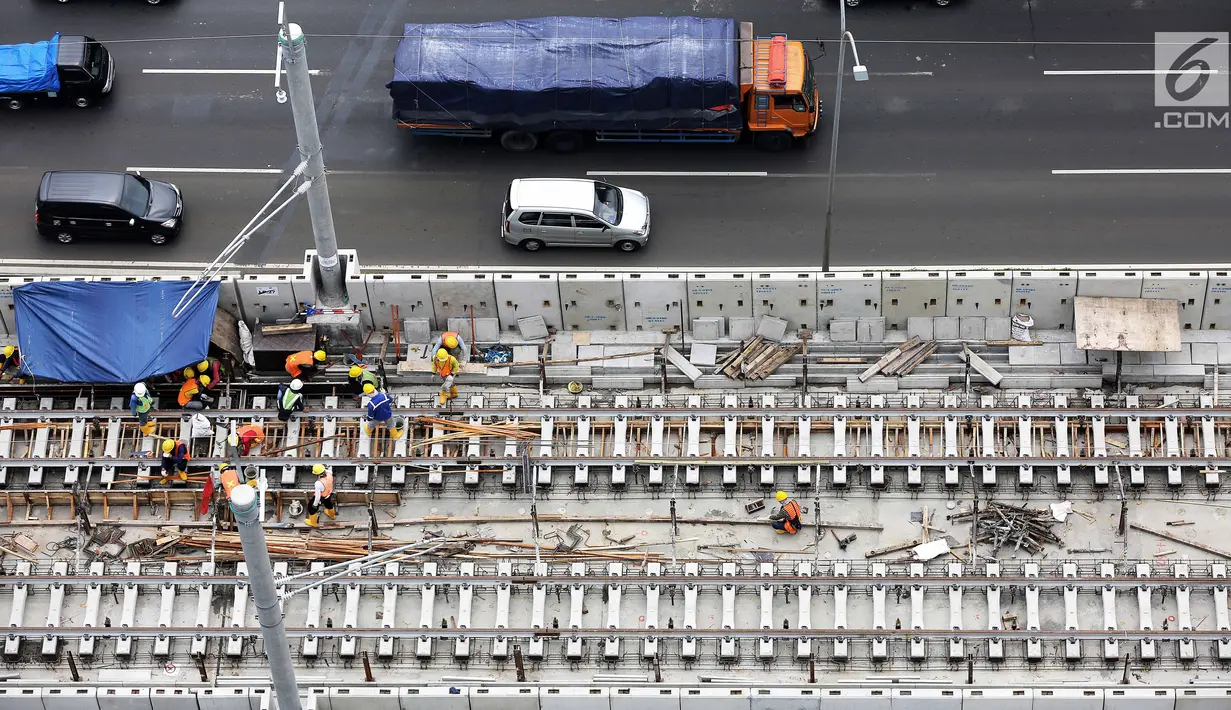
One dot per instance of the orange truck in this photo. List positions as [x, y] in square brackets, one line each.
[565, 81]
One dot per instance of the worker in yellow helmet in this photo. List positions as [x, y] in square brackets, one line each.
[447, 367]
[322, 496]
[359, 377]
[10, 367]
[175, 457]
[213, 367]
[788, 519]
[305, 364]
[452, 342]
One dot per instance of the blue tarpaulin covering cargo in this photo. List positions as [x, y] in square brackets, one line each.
[77, 331]
[29, 67]
[581, 73]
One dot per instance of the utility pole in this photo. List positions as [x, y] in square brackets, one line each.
[331, 290]
[833, 142]
[247, 511]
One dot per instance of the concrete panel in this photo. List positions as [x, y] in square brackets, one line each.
[454, 295]
[719, 294]
[1068, 699]
[1141, 699]
[653, 301]
[363, 698]
[789, 295]
[1113, 284]
[435, 697]
[318, 698]
[912, 293]
[528, 294]
[1047, 296]
[267, 298]
[927, 699]
[411, 293]
[572, 698]
[592, 301]
[1186, 287]
[113, 698]
[70, 699]
[847, 294]
[1217, 310]
[786, 699]
[979, 293]
[504, 698]
[260, 698]
[7, 284]
[1202, 698]
[997, 699]
[921, 327]
[645, 698]
[715, 699]
[186, 699]
[21, 698]
[856, 699]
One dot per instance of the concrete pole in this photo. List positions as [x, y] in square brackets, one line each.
[331, 291]
[833, 142]
[261, 581]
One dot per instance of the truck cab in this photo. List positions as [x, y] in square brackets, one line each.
[83, 72]
[780, 99]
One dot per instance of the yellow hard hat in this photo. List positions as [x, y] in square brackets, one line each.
[451, 341]
[319, 469]
[781, 496]
[167, 445]
[204, 379]
[369, 388]
[319, 356]
[356, 371]
[442, 354]
[203, 366]
[225, 465]
[9, 350]
[189, 372]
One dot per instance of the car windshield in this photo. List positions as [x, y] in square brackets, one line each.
[136, 196]
[608, 203]
[94, 59]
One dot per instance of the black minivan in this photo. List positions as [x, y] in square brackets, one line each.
[73, 204]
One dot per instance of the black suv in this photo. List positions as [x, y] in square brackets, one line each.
[88, 204]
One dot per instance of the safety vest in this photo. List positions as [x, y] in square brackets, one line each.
[295, 362]
[793, 513]
[180, 452]
[230, 479]
[188, 390]
[144, 404]
[326, 482]
[289, 399]
[446, 368]
[250, 435]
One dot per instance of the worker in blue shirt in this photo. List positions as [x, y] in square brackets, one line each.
[380, 411]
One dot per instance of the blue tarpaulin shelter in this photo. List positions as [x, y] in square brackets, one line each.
[30, 67]
[77, 331]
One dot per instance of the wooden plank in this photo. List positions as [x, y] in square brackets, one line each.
[886, 359]
[288, 329]
[915, 361]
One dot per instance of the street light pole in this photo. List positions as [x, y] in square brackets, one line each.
[331, 291]
[860, 75]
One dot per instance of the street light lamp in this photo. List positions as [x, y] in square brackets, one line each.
[861, 74]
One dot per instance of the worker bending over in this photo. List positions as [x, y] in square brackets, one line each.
[359, 378]
[380, 413]
[305, 364]
[290, 400]
[175, 459]
[453, 343]
[10, 366]
[192, 392]
[789, 517]
[140, 403]
[246, 437]
[447, 367]
[213, 367]
[322, 496]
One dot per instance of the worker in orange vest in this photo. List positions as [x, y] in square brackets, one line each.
[192, 393]
[229, 478]
[453, 342]
[305, 364]
[447, 367]
[246, 437]
[789, 518]
[322, 496]
[175, 457]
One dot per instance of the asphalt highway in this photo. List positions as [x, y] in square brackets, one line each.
[946, 155]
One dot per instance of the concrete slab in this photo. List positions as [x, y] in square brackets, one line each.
[1046, 354]
[532, 327]
[981, 366]
[878, 383]
[1070, 355]
[525, 353]
[1205, 336]
[1095, 357]
[1153, 358]
[706, 328]
[703, 354]
[1224, 353]
[771, 328]
[842, 331]
[417, 330]
[676, 358]
[486, 330]
[922, 382]
[972, 327]
[1180, 374]
[617, 383]
[563, 349]
[920, 327]
[1183, 356]
[565, 373]
[870, 330]
[741, 328]
[717, 382]
[946, 327]
[1204, 353]
[999, 328]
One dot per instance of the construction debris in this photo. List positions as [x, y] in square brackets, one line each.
[980, 366]
[757, 359]
[1000, 524]
[900, 360]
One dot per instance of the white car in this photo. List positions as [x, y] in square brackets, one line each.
[566, 212]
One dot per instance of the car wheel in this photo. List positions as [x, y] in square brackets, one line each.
[852, 3]
[531, 245]
[154, 2]
[773, 141]
[519, 141]
[943, 3]
[565, 141]
[15, 104]
[81, 102]
[156, 238]
[64, 237]
[627, 245]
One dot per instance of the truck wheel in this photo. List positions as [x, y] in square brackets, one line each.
[774, 141]
[519, 141]
[81, 102]
[565, 141]
[531, 245]
[15, 104]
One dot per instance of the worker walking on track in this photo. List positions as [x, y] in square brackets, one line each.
[245, 438]
[192, 392]
[322, 496]
[452, 342]
[140, 403]
[305, 364]
[447, 367]
[359, 377]
[787, 519]
[290, 400]
[175, 457]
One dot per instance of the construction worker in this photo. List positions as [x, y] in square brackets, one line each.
[213, 367]
[192, 392]
[246, 437]
[789, 517]
[290, 400]
[175, 458]
[358, 377]
[140, 403]
[453, 343]
[10, 367]
[305, 364]
[229, 478]
[380, 411]
[322, 496]
[447, 367]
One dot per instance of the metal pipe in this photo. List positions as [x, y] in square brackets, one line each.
[833, 141]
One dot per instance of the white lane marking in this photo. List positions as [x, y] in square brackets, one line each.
[1148, 171]
[1129, 72]
[214, 171]
[820, 176]
[884, 73]
[276, 72]
[660, 173]
[278, 48]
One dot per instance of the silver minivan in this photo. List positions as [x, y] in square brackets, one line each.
[566, 212]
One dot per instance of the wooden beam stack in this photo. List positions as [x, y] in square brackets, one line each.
[756, 360]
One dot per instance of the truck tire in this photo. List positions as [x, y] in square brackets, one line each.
[14, 104]
[774, 141]
[519, 141]
[565, 141]
[81, 102]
